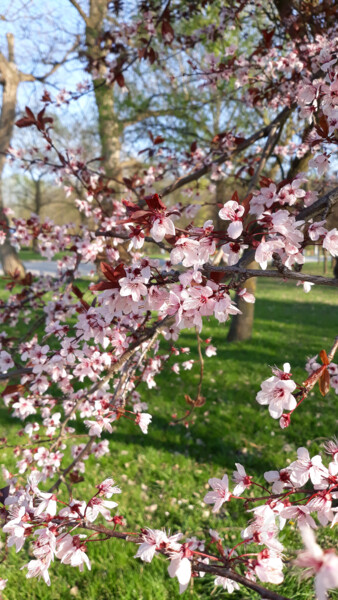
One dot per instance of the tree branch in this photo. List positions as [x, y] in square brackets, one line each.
[198, 173]
[321, 207]
[80, 11]
[197, 567]
[55, 67]
[284, 274]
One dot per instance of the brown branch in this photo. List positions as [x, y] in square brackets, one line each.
[15, 373]
[333, 350]
[252, 585]
[55, 67]
[80, 11]
[321, 207]
[125, 236]
[70, 467]
[198, 173]
[197, 567]
[285, 274]
[273, 137]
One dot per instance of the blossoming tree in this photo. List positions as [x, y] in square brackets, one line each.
[93, 353]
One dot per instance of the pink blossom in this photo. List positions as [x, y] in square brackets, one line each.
[38, 568]
[180, 567]
[3, 583]
[220, 493]
[107, 488]
[277, 393]
[242, 480]
[143, 420]
[227, 584]
[268, 567]
[162, 226]
[47, 505]
[71, 551]
[232, 252]
[98, 506]
[6, 361]
[134, 287]
[307, 285]
[152, 540]
[316, 230]
[265, 251]
[210, 350]
[279, 480]
[330, 242]
[232, 211]
[322, 564]
[247, 296]
[305, 468]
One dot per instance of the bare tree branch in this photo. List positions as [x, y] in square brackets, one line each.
[80, 11]
[283, 274]
[198, 173]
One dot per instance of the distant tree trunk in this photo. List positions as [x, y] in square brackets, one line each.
[325, 262]
[335, 268]
[37, 206]
[9, 79]
[242, 325]
[109, 127]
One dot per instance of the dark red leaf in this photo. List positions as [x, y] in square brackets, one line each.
[111, 274]
[77, 292]
[158, 140]
[167, 32]
[12, 389]
[155, 203]
[324, 383]
[29, 113]
[120, 80]
[324, 357]
[24, 122]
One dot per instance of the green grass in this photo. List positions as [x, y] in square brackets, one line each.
[28, 254]
[174, 463]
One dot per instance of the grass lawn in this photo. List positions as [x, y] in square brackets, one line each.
[163, 475]
[28, 254]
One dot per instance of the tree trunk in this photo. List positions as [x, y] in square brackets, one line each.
[109, 127]
[9, 79]
[37, 206]
[242, 325]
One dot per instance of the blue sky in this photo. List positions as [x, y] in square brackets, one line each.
[44, 31]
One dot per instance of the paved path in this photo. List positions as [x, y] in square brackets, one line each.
[49, 267]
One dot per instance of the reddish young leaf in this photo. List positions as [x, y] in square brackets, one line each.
[235, 197]
[155, 203]
[193, 147]
[77, 292]
[24, 122]
[324, 357]
[216, 276]
[158, 140]
[120, 80]
[324, 383]
[111, 274]
[12, 389]
[167, 32]
[29, 113]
